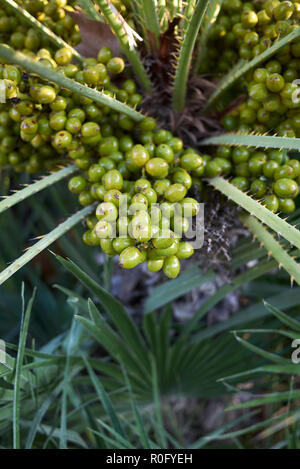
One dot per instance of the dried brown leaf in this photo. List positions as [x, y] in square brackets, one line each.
[94, 36]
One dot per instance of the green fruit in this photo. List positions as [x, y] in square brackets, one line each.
[157, 168]
[77, 184]
[155, 265]
[113, 180]
[130, 258]
[115, 65]
[286, 188]
[191, 161]
[164, 240]
[241, 183]
[151, 196]
[104, 229]
[269, 168]
[256, 163]
[275, 83]
[240, 155]
[271, 202]
[90, 238]
[175, 193]
[107, 211]
[165, 152]
[85, 198]
[170, 251]
[171, 267]
[283, 172]
[62, 139]
[141, 185]
[258, 188]
[212, 169]
[287, 205]
[139, 155]
[90, 129]
[29, 126]
[141, 227]
[114, 196]
[120, 244]
[181, 176]
[95, 173]
[107, 247]
[63, 56]
[190, 207]
[104, 55]
[185, 250]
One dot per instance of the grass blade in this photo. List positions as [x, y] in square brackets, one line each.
[262, 353]
[36, 187]
[139, 423]
[157, 406]
[104, 399]
[210, 18]
[43, 243]
[287, 320]
[28, 64]
[151, 19]
[123, 322]
[185, 55]
[90, 10]
[173, 289]
[19, 364]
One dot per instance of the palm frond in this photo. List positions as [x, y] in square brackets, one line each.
[185, 55]
[252, 140]
[273, 247]
[45, 242]
[273, 221]
[36, 187]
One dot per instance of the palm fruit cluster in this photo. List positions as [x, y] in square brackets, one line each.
[247, 29]
[140, 180]
[42, 124]
[243, 30]
[53, 13]
[269, 175]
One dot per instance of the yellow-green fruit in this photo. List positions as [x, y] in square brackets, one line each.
[168, 251]
[107, 247]
[104, 229]
[190, 207]
[141, 227]
[165, 239]
[107, 211]
[119, 244]
[139, 155]
[130, 258]
[171, 267]
[155, 265]
[185, 250]
[175, 193]
[157, 168]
